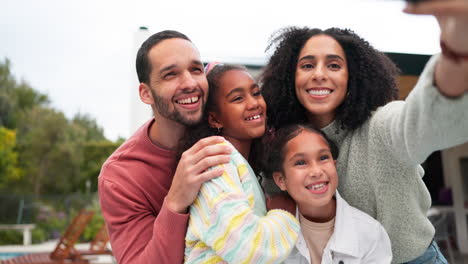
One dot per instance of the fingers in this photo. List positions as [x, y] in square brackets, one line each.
[203, 143]
[210, 174]
[211, 161]
[438, 7]
[206, 148]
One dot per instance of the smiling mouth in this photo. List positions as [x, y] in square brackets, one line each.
[317, 187]
[190, 100]
[250, 118]
[319, 91]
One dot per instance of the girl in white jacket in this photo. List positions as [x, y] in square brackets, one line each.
[302, 161]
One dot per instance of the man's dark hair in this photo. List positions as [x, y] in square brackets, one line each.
[371, 83]
[143, 64]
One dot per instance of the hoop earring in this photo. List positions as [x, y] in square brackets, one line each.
[219, 130]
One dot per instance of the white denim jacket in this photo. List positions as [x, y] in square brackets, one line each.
[357, 238]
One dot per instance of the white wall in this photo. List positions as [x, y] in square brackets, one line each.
[139, 111]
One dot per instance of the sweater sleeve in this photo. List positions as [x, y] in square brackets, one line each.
[136, 234]
[223, 218]
[425, 122]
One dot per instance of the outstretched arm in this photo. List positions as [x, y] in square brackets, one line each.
[434, 114]
[451, 75]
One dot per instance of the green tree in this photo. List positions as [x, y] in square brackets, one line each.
[9, 170]
[16, 98]
[7, 84]
[94, 155]
[46, 153]
[56, 155]
[90, 130]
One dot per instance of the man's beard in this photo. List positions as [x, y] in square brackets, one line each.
[162, 106]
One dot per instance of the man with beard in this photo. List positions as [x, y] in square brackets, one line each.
[144, 193]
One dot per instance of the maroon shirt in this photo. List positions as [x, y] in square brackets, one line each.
[132, 185]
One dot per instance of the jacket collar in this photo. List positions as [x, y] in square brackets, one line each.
[344, 239]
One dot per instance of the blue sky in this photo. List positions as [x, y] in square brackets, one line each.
[81, 53]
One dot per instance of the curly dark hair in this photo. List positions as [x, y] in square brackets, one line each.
[371, 83]
[273, 152]
[194, 133]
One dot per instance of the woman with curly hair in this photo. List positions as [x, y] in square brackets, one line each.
[339, 83]
[228, 219]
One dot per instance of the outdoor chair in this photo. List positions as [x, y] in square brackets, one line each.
[62, 252]
[97, 247]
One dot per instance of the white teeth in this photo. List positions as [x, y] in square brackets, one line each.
[319, 92]
[317, 186]
[189, 100]
[253, 117]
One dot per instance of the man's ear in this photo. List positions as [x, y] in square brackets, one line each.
[279, 180]
[145, 94]
[213, 121]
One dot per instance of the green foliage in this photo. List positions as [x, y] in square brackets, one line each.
[51, 222]
[39, 235]
[15, 237]
[16, 98]
[52, 216]
[96, 223]
[94, 155]
[46, 153]
[43, 152]
[7, 104]
[11, 237]
[52, 154]
[87, 127]
[9, 170]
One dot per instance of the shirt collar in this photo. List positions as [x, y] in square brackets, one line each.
[344, 239]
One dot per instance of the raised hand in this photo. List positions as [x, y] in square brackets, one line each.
[452, 16]
[192, 171]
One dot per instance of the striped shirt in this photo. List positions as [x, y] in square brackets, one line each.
[229, 222]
